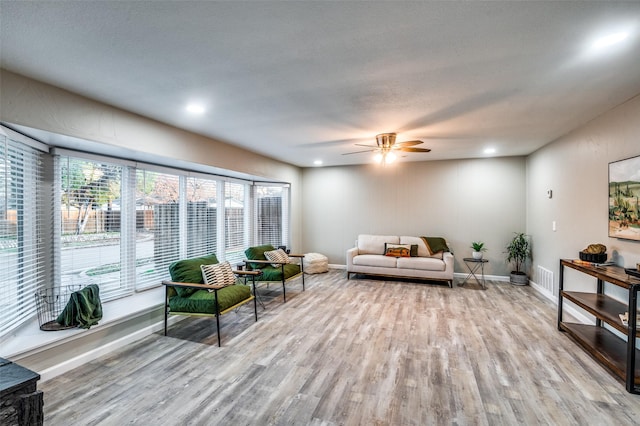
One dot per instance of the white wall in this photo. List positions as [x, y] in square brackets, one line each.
[576, 168]
[462, 200]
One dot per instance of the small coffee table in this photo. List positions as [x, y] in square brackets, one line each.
[474, 265]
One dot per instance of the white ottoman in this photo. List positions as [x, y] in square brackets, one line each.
[315, 263]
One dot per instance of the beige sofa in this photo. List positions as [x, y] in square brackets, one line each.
[368, 258]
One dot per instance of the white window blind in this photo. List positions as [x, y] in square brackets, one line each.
[201, 195]
[157, 226]
[25, 211]
[93, 222]
[271, 214]
[236, 223]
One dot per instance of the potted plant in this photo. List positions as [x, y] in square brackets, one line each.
[518, 252]
[478, 247]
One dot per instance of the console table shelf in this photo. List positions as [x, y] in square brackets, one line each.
[605, 346]
[617, 354]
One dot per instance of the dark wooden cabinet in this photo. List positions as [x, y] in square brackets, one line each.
[616, 353]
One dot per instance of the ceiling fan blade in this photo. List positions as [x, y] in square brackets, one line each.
[414, 149]
[359, 152]
[409, 143]
[369, 146]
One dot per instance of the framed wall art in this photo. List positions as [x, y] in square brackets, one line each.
[624, 192]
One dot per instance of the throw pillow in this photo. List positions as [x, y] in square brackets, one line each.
[218, 274]
[397, 250]
[277, 256]
[414, 250]
[435, 244]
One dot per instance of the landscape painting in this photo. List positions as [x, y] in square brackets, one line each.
[624, 191]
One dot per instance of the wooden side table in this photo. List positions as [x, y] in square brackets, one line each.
[474, 265]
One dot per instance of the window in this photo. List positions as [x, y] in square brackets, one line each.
[73, 219]
[202, 216]
[24, 217]
[157, 232]
[93, 224]
[235, 222]
[271, 217]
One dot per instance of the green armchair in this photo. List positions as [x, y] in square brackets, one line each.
[280, 273]
[187, 293]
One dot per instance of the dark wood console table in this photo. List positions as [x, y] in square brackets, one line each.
[20, 402]
[608, 348]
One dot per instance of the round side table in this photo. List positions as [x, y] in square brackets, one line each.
[474, 265]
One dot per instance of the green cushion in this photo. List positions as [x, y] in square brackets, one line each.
[257, 253]
[188, 271]
[271, 273]
[436, 244]
[203, 301]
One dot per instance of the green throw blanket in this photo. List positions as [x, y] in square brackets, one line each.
[435, 244]
[83, 309]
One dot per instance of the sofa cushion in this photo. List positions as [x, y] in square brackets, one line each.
[188, 271]
[376, 260]
[270, 273]
[374, 244]
[421, 263]
[203, 301]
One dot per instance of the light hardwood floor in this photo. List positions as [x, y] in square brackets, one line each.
[354, 352]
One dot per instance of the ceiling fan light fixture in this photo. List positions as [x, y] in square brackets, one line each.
[386, 140]
[385, 157]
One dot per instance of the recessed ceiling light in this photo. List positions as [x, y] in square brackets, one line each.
[196, 108]
[489, 150]
[318, 162]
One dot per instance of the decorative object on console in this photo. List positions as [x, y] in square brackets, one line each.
[518, 252]
[478, 247]
[624, 194]
[596, 253]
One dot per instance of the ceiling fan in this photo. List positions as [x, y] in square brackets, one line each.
[386, 145]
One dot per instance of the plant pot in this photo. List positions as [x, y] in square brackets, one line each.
[519, 278]
[476, 254]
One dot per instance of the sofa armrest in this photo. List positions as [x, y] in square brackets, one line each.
[448, 259]
[351, 253]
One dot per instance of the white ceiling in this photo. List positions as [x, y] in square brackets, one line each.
[306, 80]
